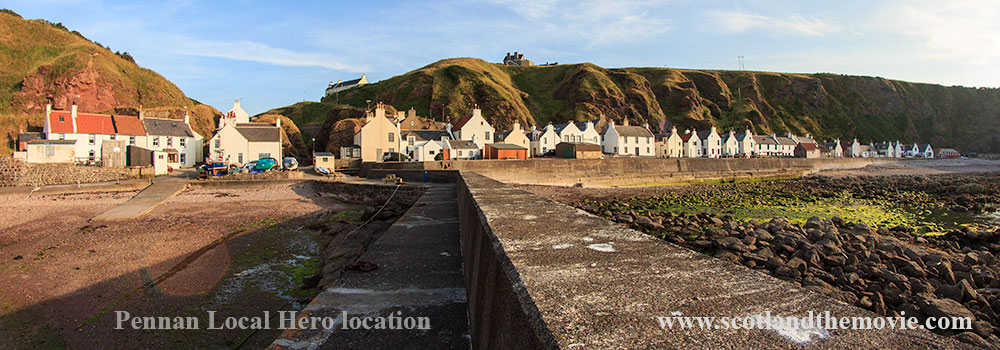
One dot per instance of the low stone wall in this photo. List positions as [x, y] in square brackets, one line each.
[558, 171]
[542, 275]
[16, 173]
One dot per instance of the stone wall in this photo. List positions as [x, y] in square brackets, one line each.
[17, 173]
[623, 170]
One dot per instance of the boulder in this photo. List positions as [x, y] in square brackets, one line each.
[940, 307]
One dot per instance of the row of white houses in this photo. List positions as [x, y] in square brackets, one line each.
[382, 135]
[71, 136]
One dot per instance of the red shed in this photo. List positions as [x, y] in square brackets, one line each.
[504, 151]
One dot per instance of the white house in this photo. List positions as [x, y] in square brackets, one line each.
[775, 146]
[832, 149]
[415, 142]
[344, 85]
[515, 136]
[378, 136]
[182, 145]
[90, 130]
[691, 145]
[578, 132]
[745, 144]
[711, 143]
[428, 150]
[244, 142]
[629, 140]
[670, 145]
[462, 149]
[543, 140]
[925, 151]
[474, 128]
[730, 147]
[235, 115]
[855, 149]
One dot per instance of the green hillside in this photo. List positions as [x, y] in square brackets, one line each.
[45, 62]
[824, 105]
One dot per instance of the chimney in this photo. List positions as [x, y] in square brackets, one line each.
[687, 131]
[46, 127]
[590, 124]
[516, 126]
[645, 125]
[673, 129]
[277, 122]
[714, 131]
[400, 115]
[187, 120]
[625, 123]
[143, 114]
[379, 111]
[549, 127]
[411, 113]
[476, 112]
[72, 115]
[534, 129]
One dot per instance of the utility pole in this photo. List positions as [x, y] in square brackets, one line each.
[742, 66]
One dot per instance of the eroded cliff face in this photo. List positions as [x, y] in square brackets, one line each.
[825, 105]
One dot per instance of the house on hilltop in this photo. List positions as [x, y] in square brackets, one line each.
[517, 59]
[345, 85]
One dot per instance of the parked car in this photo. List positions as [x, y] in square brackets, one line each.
[265, 164]
[290, 163]
[250, 166]
[395, 157]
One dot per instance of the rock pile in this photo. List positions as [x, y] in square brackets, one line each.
[890, 272]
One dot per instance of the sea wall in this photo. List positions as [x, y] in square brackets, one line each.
[619, 170]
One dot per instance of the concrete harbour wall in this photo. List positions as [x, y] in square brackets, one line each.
[621, 170]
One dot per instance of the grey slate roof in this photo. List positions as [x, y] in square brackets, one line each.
[459, 144]
[424, 135]
[259, 132]
[506, 146]
[637, 131]
[764, 140]
[166, 127]
[783, 140]
[345, 83]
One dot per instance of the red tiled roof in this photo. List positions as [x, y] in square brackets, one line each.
[461, 122]
[129, 125]
[87, 123]
[808, 146]
[64, 126]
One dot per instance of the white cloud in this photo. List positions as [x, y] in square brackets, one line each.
[795, 24]
[964, 31]
[246, 50]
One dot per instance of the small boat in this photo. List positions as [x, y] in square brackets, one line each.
[323, 171]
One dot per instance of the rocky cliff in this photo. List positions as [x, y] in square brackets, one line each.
[45, 63]
[824, 105]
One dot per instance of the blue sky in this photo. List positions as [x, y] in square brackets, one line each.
[274, 53]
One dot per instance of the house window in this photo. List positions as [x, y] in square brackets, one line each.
[411, 123]
[131, 140]
[263, 155]
[392, 137]
[459, 153]
[239, 157]
[91, 155]
[62, 119]
[411, 139]
[93, 139]
[218, 143]
[170, 141]
[114, 136]
[183, 158]
[487, 136]
[156, 141]
[183, 141]
[50, 151]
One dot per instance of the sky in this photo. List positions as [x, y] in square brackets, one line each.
[275, 53]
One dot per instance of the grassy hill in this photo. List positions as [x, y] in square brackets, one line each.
[45, 62]
[825, 105]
